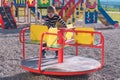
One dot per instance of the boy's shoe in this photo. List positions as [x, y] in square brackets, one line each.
[56, 54]
[43, 54]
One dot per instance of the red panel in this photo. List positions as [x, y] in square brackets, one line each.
[1, 22]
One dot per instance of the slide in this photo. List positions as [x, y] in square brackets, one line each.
[105, 18]
[69, 9]
[66, 8]
[73, 8]
[7, 20]
[33, 10]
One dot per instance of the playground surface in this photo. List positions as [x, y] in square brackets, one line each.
[10, 58]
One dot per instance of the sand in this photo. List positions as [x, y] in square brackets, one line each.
[10, 58]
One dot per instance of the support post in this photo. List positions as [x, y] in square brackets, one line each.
[36, 12]
[0, 3]
[61, 48]
[27, 13]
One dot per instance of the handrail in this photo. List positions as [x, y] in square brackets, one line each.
[41, 47]
[101, 42]
[22, 40]
[76, 31]
[80, 31]
[21, 35]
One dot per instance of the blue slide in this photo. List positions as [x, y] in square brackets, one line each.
[33, 10]
[107, 17]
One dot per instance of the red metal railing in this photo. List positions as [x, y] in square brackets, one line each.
[100, 45]
[62, 43]
[22, 40]
[41, 48]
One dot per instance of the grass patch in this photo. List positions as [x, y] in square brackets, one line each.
[115, 16]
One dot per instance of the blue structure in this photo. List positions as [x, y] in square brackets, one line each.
[91, 17]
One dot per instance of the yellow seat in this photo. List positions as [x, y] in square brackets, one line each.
[36, 31]
[69, 35]
[52, 39]
[84, 38]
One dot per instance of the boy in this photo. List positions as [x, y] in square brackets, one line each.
[50, 20]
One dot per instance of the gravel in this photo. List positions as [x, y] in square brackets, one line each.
[10, 58]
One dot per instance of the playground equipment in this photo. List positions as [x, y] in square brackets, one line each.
[70, 10]
[64, 64]
[105, 18]
[7, 20]
[89, 10]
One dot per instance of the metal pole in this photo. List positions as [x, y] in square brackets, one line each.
[60, 42]
[84, 2]
[36, 12]
[27, 13]
[0, 3]
[18, 13]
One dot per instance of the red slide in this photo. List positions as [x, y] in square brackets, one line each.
[65, 8]
[1, 22]
[71, 10]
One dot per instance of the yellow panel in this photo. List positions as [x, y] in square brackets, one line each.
[69, 35]
[84, 38]
[36, 32]
[52, 39]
